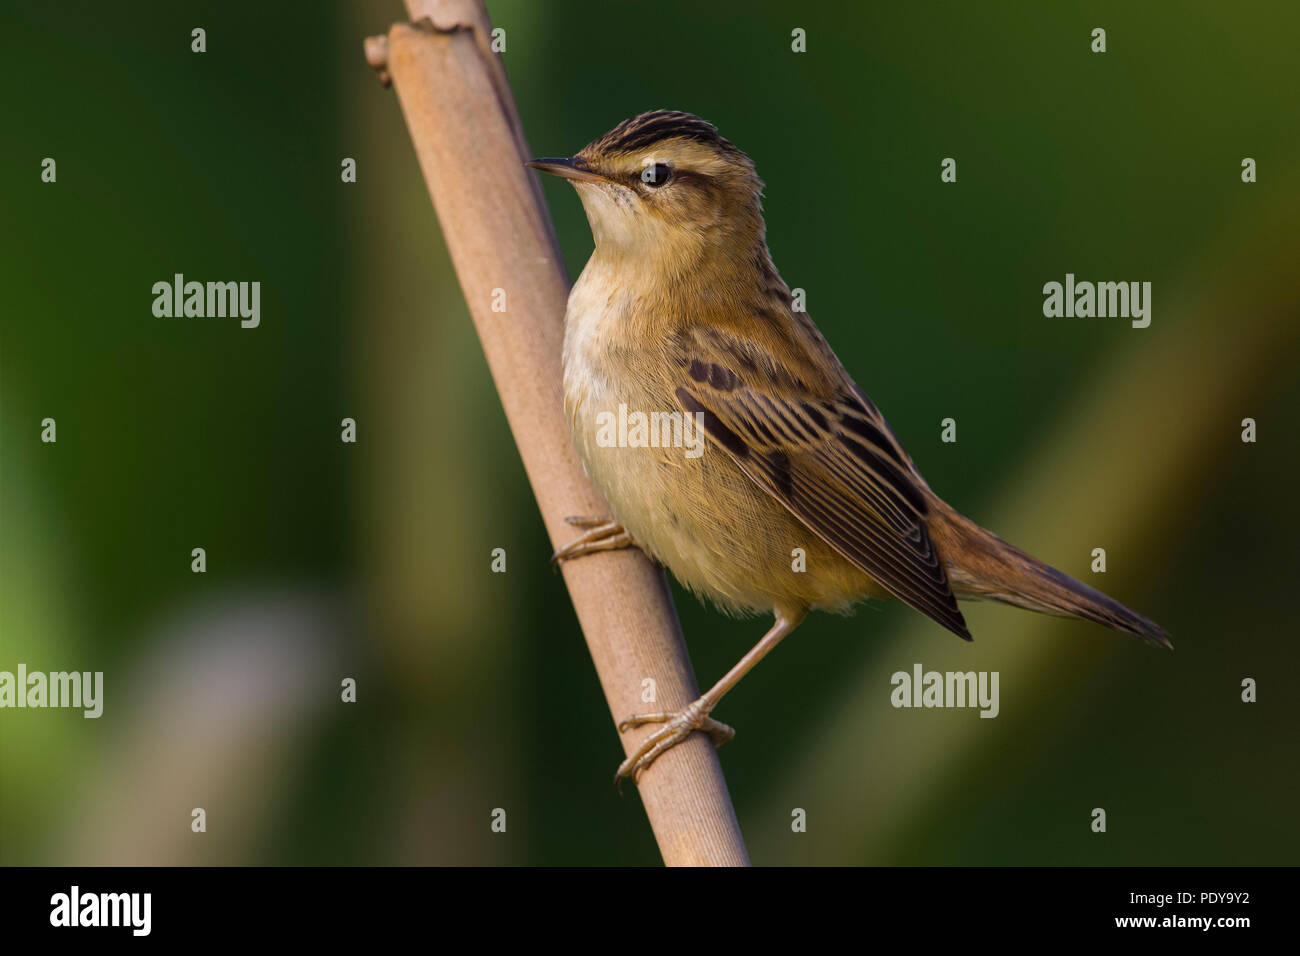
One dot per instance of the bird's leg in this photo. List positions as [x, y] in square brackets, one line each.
[678, 725]
[603, 534]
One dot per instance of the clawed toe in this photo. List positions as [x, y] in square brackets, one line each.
[678, 725]
[603, 534]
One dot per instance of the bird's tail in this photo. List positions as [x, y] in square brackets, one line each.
[982, 565]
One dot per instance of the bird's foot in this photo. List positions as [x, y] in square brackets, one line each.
[678, 725]
[603, 534]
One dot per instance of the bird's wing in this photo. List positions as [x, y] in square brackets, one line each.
[825, 452]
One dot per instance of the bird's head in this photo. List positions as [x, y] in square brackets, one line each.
[664, 187]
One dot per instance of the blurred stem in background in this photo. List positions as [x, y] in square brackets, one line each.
[1239, 312]
[428, 514]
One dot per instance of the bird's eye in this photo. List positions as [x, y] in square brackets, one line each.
[656, 175]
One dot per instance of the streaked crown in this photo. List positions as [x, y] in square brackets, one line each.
[658, 126]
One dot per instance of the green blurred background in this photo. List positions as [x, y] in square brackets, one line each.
[328, 560]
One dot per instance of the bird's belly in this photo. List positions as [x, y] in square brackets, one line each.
[691, 507]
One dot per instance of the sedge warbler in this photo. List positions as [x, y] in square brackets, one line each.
[803, 498]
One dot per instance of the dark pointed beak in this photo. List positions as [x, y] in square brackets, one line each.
[571, 167]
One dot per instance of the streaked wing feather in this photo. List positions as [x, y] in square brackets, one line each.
[833, 462]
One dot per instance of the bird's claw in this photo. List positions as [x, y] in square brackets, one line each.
[678, 725]
[603, 534]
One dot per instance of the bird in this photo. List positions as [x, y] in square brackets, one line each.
[681, 312]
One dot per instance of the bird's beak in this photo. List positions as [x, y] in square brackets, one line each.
[571, 167]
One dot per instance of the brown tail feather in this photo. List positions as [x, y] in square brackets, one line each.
[982, 565]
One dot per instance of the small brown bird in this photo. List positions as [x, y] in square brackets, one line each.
[679, 319]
